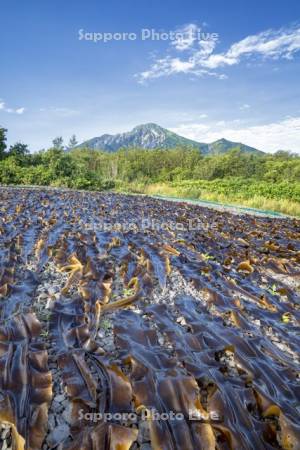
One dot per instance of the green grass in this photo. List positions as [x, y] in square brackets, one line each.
[279, 197]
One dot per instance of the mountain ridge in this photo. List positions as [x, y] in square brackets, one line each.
[152, 136]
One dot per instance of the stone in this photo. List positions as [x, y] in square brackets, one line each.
[60, 420]
[161, 340]
[52, 365]
[52, 290]
[144, 432]
[58, 435]
[135, 446]
[146, 447]
[5, 433]
[51, 422]
[59, 398]
[109, 347]
[57, 408]
[67, 415]
[49, 303]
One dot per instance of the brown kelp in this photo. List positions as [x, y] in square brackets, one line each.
[204, 307]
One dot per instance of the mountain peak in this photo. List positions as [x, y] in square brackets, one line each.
[151, 136]
[147, 126]
[221, 141]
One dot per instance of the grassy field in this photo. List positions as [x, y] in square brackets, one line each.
[282, 197]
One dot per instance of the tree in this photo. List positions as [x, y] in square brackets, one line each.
[19, 150]
[58, 142]
[73, 141]
[3, 132]
[63, 166]
[282, 154]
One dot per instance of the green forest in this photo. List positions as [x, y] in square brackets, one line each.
[266, 181]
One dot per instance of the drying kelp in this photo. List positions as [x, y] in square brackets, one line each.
[25, 382]
[216, 367]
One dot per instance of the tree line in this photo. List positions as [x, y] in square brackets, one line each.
[89, 169]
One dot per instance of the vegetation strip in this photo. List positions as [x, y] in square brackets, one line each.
[255, 180]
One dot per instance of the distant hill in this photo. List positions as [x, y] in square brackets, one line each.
[150, 136]
[223, 146]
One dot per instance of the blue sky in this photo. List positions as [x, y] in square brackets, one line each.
[243, 84]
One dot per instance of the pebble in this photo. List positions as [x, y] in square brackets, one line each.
[67, 414]
[51, 422]
[135, 446]
[58, 435]
[59, 398]
[49, 303]
[52, 365]
[146, 447]
[57, 408]
[161, 340]
[4, 446]
[5, 433]
[144, 432]
[181, 320]
[52, 290]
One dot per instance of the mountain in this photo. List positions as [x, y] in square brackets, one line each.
[150, 136]
[223, 146]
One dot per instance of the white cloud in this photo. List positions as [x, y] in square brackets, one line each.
[20, 110]
[201, 59]
[270, 137]
[185, 37]
[166, 66]
[11, 110]
[171, 66]
[274, 44]
[244, 107]
[283, 42]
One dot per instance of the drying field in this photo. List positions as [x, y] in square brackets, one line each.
[135, 323]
